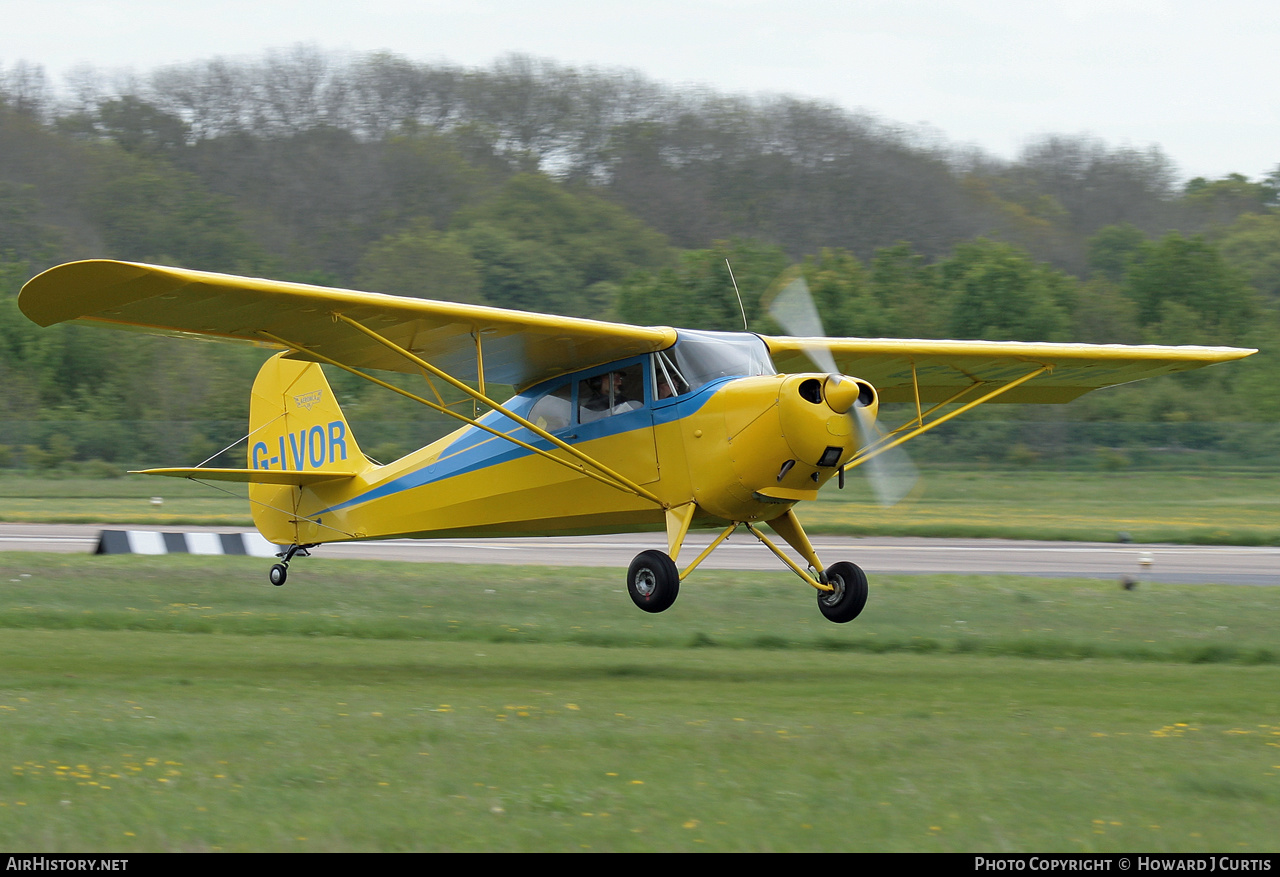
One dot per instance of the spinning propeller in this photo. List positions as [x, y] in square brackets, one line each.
[891, 473]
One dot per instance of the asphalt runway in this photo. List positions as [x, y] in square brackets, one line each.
[1180, 564]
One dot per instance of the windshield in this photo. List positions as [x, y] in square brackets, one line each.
[701, 357]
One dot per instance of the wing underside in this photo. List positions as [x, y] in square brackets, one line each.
[935, 371]
[515, 347]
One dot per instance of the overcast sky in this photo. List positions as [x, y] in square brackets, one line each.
[1201, 80]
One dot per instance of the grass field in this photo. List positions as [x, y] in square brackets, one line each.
[125, 500]
[178, 703]
[1214, 507]
[1200, 507]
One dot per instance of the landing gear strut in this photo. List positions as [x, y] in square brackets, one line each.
[280, 571]
[653, 581]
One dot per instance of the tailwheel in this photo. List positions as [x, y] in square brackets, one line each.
[653, 581]
[280, 571]
[848, 593]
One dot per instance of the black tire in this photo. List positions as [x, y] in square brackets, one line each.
[278, 574]
[653, 581]
[845, 602]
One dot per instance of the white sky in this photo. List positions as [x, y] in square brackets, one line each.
[1199, 79]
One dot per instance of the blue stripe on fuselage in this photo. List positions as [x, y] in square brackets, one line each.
[475, 449]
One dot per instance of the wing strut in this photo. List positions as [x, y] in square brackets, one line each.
[602, 473]
[889, 441]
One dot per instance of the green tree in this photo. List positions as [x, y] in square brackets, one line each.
[1103, 314]
[1189, 273]
[22, 235]
[426, 175]
[698, 293]
[999, 293]
[908, 290]
[844, 297]
[600, 241]
[1220, 202]
[1251, 244]
[523, 274]
[20, 400]
[150, 212]
[424, 263]
[140, 127]
[1113, 248]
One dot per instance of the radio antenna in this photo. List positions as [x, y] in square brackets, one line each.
[739, 295]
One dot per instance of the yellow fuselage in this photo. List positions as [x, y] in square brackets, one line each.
[724, 447]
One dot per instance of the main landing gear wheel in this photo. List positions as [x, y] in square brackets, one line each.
[848, 593]
[653, 581]
[278, 574]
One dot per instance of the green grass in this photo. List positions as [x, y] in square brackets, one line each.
[946, 614]
[74, 499]
[1213, 507]
[181, 703]
[1205, 507]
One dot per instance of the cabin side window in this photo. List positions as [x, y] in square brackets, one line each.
[613, 392]
[552, 411]
[667, 379]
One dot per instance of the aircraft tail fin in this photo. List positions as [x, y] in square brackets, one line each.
[298, 436]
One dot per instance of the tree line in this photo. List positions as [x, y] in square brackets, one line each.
[589, 192]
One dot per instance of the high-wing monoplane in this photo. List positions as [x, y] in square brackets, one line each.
[612, 428]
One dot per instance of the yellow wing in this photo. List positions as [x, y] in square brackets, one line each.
[943, 368]
[518, 348]
[522, 348]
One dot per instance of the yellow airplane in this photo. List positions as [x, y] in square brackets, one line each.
[613, 428]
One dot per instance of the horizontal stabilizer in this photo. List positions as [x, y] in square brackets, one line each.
[251, 476]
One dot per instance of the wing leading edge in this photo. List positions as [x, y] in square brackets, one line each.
[522, 349]
[518, 348]
[941, 369]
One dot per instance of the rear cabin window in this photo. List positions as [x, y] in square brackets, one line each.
[552, 411]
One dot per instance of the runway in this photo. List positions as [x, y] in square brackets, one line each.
[1174, 564]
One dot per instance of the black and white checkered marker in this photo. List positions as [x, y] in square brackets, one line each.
[156, 542]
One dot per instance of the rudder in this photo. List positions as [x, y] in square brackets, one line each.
[295, 425]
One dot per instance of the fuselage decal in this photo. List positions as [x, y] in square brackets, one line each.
[469, 452]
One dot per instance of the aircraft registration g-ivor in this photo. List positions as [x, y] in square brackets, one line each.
[613, 428]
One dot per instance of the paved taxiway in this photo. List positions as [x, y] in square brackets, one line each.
[1187, 564]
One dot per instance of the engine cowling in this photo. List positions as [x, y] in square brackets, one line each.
[814, 413]
[783, 438]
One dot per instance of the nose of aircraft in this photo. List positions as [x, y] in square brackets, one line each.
[814, 414]
[842, 393]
